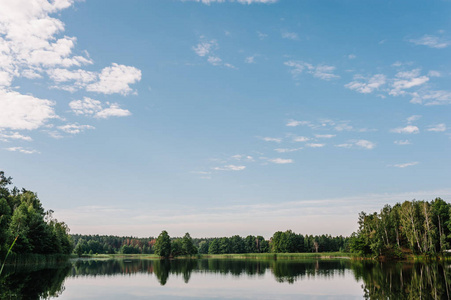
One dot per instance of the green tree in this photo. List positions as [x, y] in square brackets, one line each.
[188, 247]
[162, 245]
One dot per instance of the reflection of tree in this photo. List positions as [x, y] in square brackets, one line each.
[291, 271]
[27, 283]
[403, 281]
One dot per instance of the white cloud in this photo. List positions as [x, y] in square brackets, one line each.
[294, 123]
[287, 150]
[300, 139]
[115, 79]
[365, 144]
[431, 41]
[75, 128]
[214, 60]
[29, 41]
[431, 97]
[14, 136]
[409, 164]
[19, 111]
[437, 128]
[433, 73]
[290, 35]
[281, 161]
[261, 35]
[402, 142]
[325, 136]
[91, 107]
[324, 72]
[250, 60]
[315, 145]
[270, 139]
[408, 129]
[406, 80]
[21, 150]
[230, 168]
[204, 48]
[369, 85]
[413, 118]
[79, 78]
[352, 56]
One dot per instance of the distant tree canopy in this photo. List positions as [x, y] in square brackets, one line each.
[418, 227]
[22, 216]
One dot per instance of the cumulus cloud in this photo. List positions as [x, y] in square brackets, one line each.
[281, 161]
[437, 128]
[92, 107]
[431, 41]
[204, 48]
[405, 165]
[324, 72]
[19, 111]
[408, 129]
[29, 42]
[367, 85]
[115, 79]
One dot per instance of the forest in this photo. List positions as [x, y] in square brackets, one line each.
[166, 246]
[413, 227]
[24, 220]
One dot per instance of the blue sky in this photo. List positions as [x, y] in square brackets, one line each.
[225, 117]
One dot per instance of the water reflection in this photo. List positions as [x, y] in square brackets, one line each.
[33, 282]
[378, 280]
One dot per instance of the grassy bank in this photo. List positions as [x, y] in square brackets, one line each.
[289, 256]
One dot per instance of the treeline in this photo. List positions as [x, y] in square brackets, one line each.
[23, 218]
[110, 244]
[166, 246]
[418, 227]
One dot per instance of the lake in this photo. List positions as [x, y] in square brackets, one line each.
[228, 279]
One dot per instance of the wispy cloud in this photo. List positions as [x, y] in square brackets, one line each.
[405, 165]
[230, 168]
[271, 139]
[325, 136]
[6, 136]
[367, 85]
[22, 150]
[413, 118]
[437, 128]
[281, 161]
[402, 142]
[365, 144]
[287, 150]
[75, 128]
[315, 145]
[431, 41]
[290, 35]
[324, 72]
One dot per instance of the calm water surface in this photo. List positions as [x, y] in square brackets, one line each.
[228, 279]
